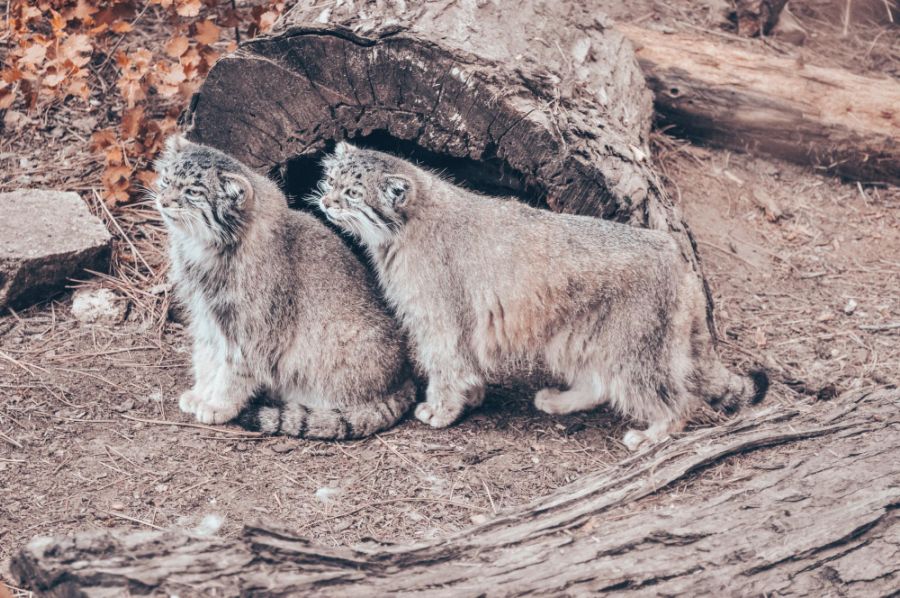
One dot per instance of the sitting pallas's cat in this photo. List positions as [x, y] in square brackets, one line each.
[477, 280]
[280, 310]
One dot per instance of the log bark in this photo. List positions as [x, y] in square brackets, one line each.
[786, 502]
[736, 98]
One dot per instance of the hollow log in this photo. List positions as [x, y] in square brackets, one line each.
[784, 502]
[736, 98]
[557, 113]
[559, 110]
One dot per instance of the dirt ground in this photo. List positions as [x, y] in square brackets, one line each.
[91, 436]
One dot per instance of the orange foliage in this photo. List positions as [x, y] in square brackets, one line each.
[61, 50]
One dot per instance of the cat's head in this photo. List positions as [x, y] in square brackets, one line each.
[366, 193]
[202, 192]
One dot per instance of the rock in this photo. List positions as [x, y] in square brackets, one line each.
[97, 305]
[46, 237]
[326, 494]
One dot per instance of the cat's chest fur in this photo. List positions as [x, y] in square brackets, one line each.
[203, 280]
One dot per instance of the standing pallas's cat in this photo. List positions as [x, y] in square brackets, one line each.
[280, 310]
[478, 280]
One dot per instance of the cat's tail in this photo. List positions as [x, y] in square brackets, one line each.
[729, 392]
[270, 416]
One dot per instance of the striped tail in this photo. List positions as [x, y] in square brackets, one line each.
[270, 416]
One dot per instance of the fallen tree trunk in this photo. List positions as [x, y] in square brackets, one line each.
[731, 97]
[786, 502]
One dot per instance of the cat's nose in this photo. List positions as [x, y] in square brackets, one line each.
[165, 199]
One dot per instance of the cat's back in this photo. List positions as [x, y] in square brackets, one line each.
[335, 283]
[472, 220]
[318, 251]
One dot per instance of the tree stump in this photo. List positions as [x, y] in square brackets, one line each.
[544, 101]
[785, 502]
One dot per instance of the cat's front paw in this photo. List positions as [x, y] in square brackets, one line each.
[436, 416]
[214, 413]
[188, 401]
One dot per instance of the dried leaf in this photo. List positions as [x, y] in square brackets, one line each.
[147, 178]
[33, 55]
[267, 19]
[57, 23]
[84, 10]
[121, 27]
[7, 97]
[79, 87]
[76, 49]
[131, 123]
[53, 79]
[207, 32]
[177, 46]
[29, 13]
[188, 8]
[132, 90]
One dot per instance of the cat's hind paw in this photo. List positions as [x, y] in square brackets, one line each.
[436, 417]
[634, 439]
[188, 401]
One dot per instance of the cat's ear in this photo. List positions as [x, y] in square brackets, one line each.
[176, 143]
[237, 189]
[342, 149]
[396, 190]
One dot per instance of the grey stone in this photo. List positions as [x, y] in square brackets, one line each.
[46, 237]
[97, 305]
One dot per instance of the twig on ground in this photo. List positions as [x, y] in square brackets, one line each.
[220, 430]
[12, 441]
[880, 327]
[137, 254]
[490, 498]
[729, 253]
[134, 520]
[396, 452]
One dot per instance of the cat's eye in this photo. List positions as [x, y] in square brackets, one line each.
[191, 195]
[352, 193]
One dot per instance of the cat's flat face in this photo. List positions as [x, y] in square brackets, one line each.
[201, 192]
[363, 194]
